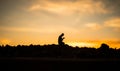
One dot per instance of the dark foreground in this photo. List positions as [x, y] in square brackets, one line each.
[58, 64]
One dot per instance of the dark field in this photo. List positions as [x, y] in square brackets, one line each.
[58, 64]
[58, 58]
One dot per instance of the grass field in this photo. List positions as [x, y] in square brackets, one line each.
[58, 64]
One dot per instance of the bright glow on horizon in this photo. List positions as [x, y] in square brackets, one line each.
[81, 44]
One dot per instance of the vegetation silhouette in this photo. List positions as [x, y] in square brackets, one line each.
[61, 50]
[54, 51]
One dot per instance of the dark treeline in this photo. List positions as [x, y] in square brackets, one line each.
[58, 51]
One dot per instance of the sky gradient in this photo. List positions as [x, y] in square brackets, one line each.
[84, 22]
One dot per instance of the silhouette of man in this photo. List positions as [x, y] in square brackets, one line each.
[60, 39]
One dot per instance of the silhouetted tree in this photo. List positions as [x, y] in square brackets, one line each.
[103, 51]
[104, 46]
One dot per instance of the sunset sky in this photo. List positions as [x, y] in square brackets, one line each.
[84, 22]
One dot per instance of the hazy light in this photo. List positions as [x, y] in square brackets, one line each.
[5, 41]
[81, 44]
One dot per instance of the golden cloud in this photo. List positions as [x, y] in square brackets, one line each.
[67, 7]
[93, 26]
[113, 23]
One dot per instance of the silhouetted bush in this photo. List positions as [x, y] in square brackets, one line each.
[56, 51]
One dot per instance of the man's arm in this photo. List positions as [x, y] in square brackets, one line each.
[63, 38]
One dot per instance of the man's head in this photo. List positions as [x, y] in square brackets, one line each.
[62, 34]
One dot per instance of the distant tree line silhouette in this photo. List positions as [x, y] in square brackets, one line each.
[57, 51]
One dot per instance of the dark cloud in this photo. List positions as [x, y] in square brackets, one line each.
[114, 6]
[9, 6]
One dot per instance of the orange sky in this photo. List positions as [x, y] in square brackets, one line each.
[84, 22]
